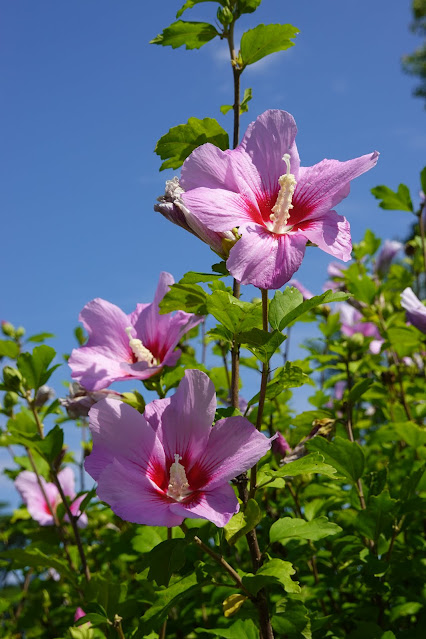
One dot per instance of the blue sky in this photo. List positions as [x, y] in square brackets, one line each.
[85, 98]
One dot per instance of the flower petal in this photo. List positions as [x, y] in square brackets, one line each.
[28, 486]
[217, 506]
[234, 446]
[222, 210]
[331, 233]
[95, 367]
[322, 186]
[267, 140]
[153, 412]
[106, 324]
[120, 432]
[133, 497]
[207, 166]
[265, 259]
[67, 481]
[187, 421]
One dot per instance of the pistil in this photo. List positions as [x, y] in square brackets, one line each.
[141, 353]
[178, 487]
[281, 211]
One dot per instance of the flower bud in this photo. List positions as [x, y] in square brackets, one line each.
[7, 328]
[225, 16]
[12, 378]
[43, 395]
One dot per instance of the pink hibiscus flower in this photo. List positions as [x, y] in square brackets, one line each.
[277, 205]
[351, 320]
[124, 346]
[34, 499]
[169, 463]
[415, 310]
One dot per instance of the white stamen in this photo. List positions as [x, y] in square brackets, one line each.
[141, 353]
[178, 487]
[281, 211]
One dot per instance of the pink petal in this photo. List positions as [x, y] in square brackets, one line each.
[75, 509]
[222, 210]
[267, 140]
[264, 259]
[322, 186]
[106, 324]
[96, 367]
[134, 497]
[67, 481]
[27, 484]
[218, 506]
[187, 420]
[207, 166]
[153, 412]
[121, 433]
[331, 233]
[234, 446]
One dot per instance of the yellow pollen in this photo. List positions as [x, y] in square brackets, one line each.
[141, 353]
[281, 211]
[178, 487]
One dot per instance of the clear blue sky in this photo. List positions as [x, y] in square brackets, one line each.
[84, 99]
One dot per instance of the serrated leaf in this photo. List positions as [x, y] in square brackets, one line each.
[233, 314]
[191, 3]
[243, 522]
[191, 34]
[291, 620]
[185, 297]
[264, 40]
[312, 463]
[147, 538]
[165, 559]
[35, 366]
[179, 142]
[166, 599]
[307, 305]
[274, 571]
[288, 376]
[347, 457]
[33, 557]
[8, 348]
[359, 389]
[378, 516]
[51, 446]
[399, 200]
[289, 528]
[282, 303]
[261, 343]
[248, 6]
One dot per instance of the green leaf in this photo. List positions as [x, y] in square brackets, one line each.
[185, 297]
[179, 142]
[8, 348]
[359, 389]
[35, 367]
[399, 200]
[264, 40]
[307, 305]
[165, 559]
[313, 463]
[248, 6]
[191, 3]
[51, 446]
[377, 518]
[368, 245]
[233, 314]
[243, 522]
[362, 287]
[407, 609]
[166, 599]
[347, 457]
[404, 339]
[240, 629]
[248, 94]
[261, 343]
[289, 528]
[135, 400]
[288, 376]
[148, 537]
[282, 303]
[291, 620]
[33, 557]
[410, 433]
[423, 179]
[274, 571]
[40, 337]
[191, 34]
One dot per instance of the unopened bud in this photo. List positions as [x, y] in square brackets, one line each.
[224, 15]
[12, 378]
[20, 331]
[7, 328]
[43, 395]
[10, 400]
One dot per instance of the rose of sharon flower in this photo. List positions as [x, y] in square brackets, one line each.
[277, 205]
[172, 207]
[415, 310]
[34, 499]
[351, 320]
[386, 255]
[306, 293]
[170, 463]
[135, 346]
